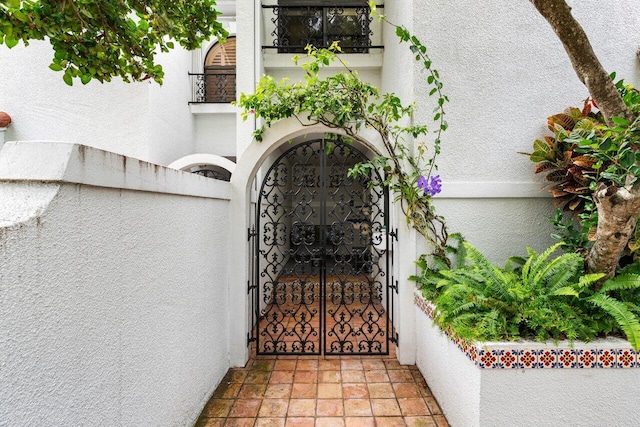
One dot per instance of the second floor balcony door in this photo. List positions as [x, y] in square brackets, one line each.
[320, 23]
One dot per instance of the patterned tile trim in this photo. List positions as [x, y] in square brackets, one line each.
[504, 356]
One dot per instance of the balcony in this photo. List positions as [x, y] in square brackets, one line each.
[291, 28]
[215, 86]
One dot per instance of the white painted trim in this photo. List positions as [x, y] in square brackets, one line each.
[283, 61]
[492, 190]
[47, 161]
[187, 162]
[213, 109]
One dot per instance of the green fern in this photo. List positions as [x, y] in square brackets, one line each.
[548, 297]
[627, 321]
[622, 282]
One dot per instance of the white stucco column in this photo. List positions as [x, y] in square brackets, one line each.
[239, 271]
[405, 316]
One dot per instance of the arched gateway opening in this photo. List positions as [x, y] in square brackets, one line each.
[321, 253]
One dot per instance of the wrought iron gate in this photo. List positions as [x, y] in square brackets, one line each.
[320, 282]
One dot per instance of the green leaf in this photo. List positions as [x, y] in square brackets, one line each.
[620, 121]
[20, 15]
[628, 159]
[67, 78]
[55, 67]
[10, 41]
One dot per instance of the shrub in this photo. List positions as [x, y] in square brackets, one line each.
[541, 298]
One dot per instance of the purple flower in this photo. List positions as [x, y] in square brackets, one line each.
[432, 186]
[422, 183]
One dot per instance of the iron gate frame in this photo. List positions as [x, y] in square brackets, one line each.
[390, 287]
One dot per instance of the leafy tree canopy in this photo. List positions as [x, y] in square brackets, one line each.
[108, 38]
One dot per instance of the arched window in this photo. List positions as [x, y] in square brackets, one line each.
[220, 72]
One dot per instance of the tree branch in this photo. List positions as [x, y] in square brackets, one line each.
[584, 60]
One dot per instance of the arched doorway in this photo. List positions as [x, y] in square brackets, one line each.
[321, 255]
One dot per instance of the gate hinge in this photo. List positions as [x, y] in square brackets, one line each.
[394, 234]
[250, 339]
[395, 286]
[250, 287]
[395, 338]
[251, 232]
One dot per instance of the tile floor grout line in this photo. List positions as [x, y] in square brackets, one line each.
[395, 405]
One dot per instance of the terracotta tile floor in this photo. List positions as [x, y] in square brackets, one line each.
[317, 391]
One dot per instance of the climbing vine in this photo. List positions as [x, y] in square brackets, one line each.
[344, 102]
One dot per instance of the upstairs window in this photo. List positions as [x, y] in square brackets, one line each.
[219, 79]
[319, 23]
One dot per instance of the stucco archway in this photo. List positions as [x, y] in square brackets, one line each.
[279, 136]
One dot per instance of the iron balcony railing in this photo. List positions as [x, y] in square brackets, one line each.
[289, 29]
[214, 86]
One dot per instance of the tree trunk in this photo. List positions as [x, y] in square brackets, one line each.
[618, 208]
[618, 211]
[584, 60]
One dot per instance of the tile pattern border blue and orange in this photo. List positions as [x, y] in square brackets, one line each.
[507, 356]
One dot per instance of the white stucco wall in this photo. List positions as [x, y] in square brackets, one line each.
[458, 395]
[142, 120]
[505, 72]
[113, 289]
[470, 395]
[113, 116]
[215, 133]
[171, 131]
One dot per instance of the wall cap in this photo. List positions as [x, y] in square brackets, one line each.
[62, 162]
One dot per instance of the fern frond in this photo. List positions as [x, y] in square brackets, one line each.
[559, 272]
[458, 251]
[631, 269]
[514, 263]
[496, 279]
[497, 305]
[566, 290]
[589, 279]
[620, 282]
[635, 308]
[463, 307]
[626, 320]
[540, 261]
[526, 268]
[475, 256]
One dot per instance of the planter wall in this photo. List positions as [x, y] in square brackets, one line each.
[528, 383]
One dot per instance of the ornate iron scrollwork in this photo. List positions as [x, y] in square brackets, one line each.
[295, 27]
[320, 258]
[216, 86]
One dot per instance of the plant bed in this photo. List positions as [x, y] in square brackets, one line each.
[526, 382]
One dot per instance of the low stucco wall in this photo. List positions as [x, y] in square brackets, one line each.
[113, 288]
[528, 383]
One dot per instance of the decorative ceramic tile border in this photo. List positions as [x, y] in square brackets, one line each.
[506, 356]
